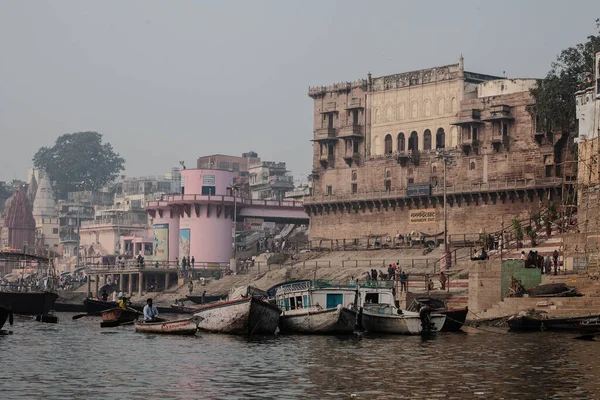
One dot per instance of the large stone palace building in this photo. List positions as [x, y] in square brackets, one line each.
[381, 143]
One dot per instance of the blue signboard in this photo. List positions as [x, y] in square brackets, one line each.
[418, 189]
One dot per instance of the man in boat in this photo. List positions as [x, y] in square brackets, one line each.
[123, 303]
[150, 312]
[104, 295]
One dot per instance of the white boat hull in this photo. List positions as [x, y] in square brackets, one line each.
[246, 316]
[187, 326]
[313, 320]
[405, 324]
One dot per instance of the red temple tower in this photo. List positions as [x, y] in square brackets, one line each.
[19, 225]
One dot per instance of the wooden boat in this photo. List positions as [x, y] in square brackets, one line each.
[4, 315]
[541, 322]
[302, 304]
[245, 316]
[180, 309]
[28, 303]
[383, 318]
[68, 307]
[207, 299]
[120, 315]
[187, 326]
[315, 319]
[96, 307]
[455, 317]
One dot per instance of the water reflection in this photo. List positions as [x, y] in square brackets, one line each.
[76, 359]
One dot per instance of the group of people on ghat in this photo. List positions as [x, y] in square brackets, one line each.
[545, 264]
[392, 274]
[185, 262]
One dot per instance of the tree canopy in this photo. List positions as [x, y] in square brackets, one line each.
[79, 161]
[555, 94]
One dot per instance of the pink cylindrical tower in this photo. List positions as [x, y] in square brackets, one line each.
[198, 221]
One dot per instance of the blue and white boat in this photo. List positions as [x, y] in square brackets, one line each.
[327, 306]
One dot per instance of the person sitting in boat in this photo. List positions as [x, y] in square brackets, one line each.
[104, 295]
[150, 312]
[123, 303]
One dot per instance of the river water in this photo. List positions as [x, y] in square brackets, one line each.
[79, 360]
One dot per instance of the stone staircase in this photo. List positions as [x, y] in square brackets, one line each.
[545, 246]
[588, 304]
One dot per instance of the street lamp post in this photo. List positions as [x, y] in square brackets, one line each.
[447, 259]
[235, 189]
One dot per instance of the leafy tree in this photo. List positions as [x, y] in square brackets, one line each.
[79, 160]
[555, 94]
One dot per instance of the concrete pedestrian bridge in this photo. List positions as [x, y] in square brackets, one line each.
[283, 211]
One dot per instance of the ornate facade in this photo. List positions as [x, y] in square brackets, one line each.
[379, 142]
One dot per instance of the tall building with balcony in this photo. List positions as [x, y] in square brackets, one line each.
[379, 146]
[269, 180]
[588, 143]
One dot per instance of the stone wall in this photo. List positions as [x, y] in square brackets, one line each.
[485, 283]
[351, 224]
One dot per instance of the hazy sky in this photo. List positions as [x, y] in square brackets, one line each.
[165, 81]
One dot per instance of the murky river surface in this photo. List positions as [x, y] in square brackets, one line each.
[78, 360]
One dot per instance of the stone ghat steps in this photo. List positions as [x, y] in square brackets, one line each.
[555, 306]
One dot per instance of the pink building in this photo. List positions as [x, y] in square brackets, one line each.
[198, 222]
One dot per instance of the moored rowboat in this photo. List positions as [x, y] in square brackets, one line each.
[383, 318]
[187, 326]
[120, 315]
[246, 316]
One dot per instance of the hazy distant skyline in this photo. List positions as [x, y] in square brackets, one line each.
[170, 81]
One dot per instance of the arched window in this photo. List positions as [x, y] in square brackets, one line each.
[401, 145]
[410, 171]
[388, 144]
[440, 139]
[413, 141]
[441, 109]
[427, 107]
[413, 110]
[434, 170]
[388, 174]
[427, 140]
[472, 165]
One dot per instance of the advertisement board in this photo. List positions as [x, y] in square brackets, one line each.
[160, 239]
[184, 243]
[253, 224]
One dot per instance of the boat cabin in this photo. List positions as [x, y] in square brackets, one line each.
[330, 294]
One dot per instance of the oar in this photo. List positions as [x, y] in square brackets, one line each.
[78, 316]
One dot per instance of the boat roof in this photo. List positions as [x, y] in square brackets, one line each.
[320, 284]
